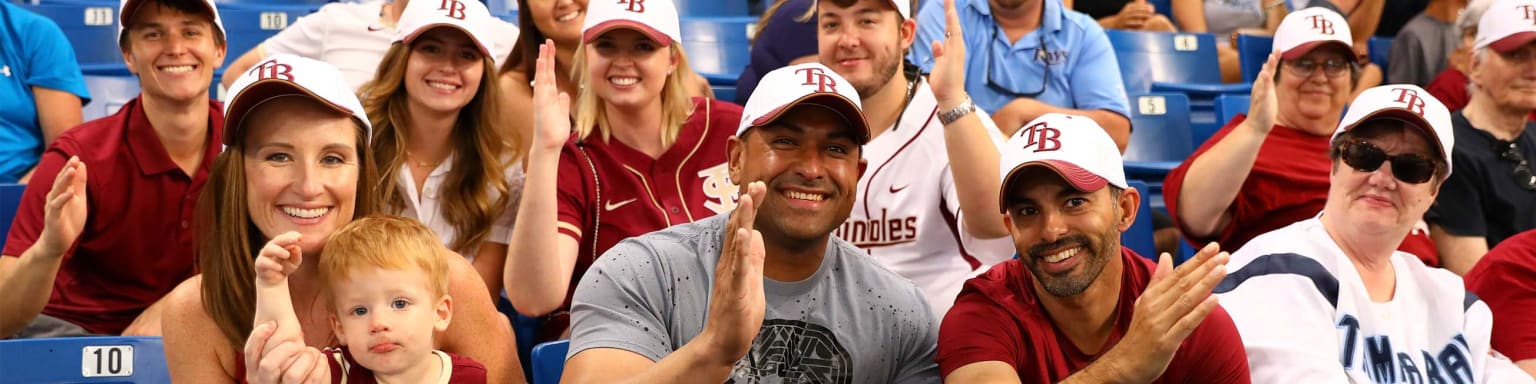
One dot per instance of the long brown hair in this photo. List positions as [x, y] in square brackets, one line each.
[526, 51]
[481, 153]
[675, 103]
[227, 239]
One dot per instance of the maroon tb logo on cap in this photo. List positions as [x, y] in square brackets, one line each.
[1043, 138]
[1529, 12]
[1321, 24]
[454, 7]
[636, 6]
[1410, 98]
[271, 69]
[818, 78]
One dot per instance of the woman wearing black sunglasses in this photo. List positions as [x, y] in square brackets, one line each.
[1269, 168]
[1329, 299]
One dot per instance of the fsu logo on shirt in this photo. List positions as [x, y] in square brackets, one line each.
[718, 188]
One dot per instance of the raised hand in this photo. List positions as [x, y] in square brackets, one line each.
[278, 259]
[552, 108]
[948, 76]
[1175, 303]
[736, 303]
[1262, 106]
[65, 214]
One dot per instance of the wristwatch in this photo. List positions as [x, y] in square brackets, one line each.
[965, 108]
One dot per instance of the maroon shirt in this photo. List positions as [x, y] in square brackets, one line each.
[1506, 279]
[997, 317]
[346, 370]
[1288, 183]
[633, 194]
[138, 238]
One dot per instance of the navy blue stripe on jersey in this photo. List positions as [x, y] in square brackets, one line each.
[1467, 302]
[1285, 264]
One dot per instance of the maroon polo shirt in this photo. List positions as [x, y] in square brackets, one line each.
[138, 238]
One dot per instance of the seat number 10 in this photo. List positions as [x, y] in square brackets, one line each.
[107, 361]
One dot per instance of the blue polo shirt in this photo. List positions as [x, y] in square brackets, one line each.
[33, 52]
[1076, 69]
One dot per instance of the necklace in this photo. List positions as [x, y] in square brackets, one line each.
[421, 164]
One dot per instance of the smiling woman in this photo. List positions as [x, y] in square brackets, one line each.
[434, 106]
[644, 155]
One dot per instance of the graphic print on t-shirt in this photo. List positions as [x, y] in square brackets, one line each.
[794, 351]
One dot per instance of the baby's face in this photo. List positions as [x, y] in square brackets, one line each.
[387, 317]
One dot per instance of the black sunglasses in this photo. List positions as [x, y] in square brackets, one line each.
[1040, 53]
[1511, 152]
[1366, 157]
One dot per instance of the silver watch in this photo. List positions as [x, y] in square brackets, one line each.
[965, 108]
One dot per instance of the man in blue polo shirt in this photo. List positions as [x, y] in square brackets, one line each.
[1029, 58]
[41, 89]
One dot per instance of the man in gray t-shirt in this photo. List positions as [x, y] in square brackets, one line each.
[764, 293]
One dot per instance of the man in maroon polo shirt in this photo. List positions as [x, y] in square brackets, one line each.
[105, 229]
[1076, 306]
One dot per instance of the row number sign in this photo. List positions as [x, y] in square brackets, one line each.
[272, 21]
[98, 16]
[1185, 43]
[107, 361]
[1152, 105]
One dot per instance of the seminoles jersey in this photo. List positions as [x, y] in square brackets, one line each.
[609, 192]
[907, 214]
[456, 369]
[1306, 317]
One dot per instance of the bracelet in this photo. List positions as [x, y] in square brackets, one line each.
[965, 108]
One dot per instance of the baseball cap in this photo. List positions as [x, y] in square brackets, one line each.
[809, 83]
[1506, 25]
[1307, 29]
[1073, 146]
[126, 9]
[657, 19]
[289, 75]
[469, 16]
[1408, 103]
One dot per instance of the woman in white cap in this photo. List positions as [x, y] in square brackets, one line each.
[296, 160]
[560, 21]
[644, 155]
[435, 109]
[1269, 168]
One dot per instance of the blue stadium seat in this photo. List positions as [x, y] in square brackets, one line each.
[1177, 62]
[1252, 51]
[694, 8]
[503, 8]
[247, 26]
[84, 360]
[10, 198]
[1160, 135]
[724, 92]
[549, 361]
[1227, 107]
[1139, 237]
[108, 94]
[312, 4]
[90, 28]
[718, 47]
[1379, 49]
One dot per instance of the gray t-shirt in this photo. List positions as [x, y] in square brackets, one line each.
[852, 321]
[1419, 52]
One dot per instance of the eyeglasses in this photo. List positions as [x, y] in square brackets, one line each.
[1366, 157]
[1522, 174]
[1040, 55]
[1331, 67]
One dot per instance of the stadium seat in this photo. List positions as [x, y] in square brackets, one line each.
[1252, 51]
[84, 360]
[1160, 135]
[10, 198]
[312, 4]
[1176, 62]
[1139, 237]
[724, 92]
[1227, 107]
[247, 26]
[710, 8]
[718, 47]
[1379, 51]
[108, 94]
[549, 361]
[90, 28]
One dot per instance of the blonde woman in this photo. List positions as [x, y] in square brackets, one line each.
[434, 105]
[644, 155]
